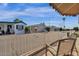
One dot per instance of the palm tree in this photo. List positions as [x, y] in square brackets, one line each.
[63, 22]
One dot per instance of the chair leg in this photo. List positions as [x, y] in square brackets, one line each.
[46, 50]
[76, 50]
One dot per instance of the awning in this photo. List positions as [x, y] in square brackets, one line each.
[70, 9]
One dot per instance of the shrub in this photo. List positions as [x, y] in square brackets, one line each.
[75, 28]
[27, 29]
[47, 29]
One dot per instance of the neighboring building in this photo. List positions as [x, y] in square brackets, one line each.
[12, 27]
[54, 28]
[38, 28]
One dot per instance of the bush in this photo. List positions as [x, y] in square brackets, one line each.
[27, 29]
[47, 29]
[61, 29]
[75, 28]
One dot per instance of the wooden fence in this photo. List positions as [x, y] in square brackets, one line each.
[15, 45]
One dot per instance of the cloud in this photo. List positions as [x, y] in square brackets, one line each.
[40, 9]
[5, 4]
[32, 12]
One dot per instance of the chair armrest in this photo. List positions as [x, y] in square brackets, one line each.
[52, 51]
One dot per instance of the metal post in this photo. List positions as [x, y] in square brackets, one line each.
[30, 30]
[78, 21]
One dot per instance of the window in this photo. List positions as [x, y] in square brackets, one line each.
[16, 26]
[0, 28]
[9, 26]
[19, 27]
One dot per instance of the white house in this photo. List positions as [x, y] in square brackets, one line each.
[12, 27]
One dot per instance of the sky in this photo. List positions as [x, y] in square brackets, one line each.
[35, 13]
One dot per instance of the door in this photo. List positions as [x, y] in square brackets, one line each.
[9, 27]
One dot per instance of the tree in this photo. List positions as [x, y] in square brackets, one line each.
[75, 28]
[61, 29]
[47, 29]
[17, 20]
[27, 29]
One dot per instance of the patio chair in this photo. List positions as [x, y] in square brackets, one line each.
[65, 47]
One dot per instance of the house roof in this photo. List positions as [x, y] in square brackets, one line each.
[36, 25]
[2, 22]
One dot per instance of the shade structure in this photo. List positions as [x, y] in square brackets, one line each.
[66, 8]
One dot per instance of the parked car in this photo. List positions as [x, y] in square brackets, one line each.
[2, 32]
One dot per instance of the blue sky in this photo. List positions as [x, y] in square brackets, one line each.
[35, 13]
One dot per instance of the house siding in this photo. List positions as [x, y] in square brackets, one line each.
[13, 29]
[19, 31]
